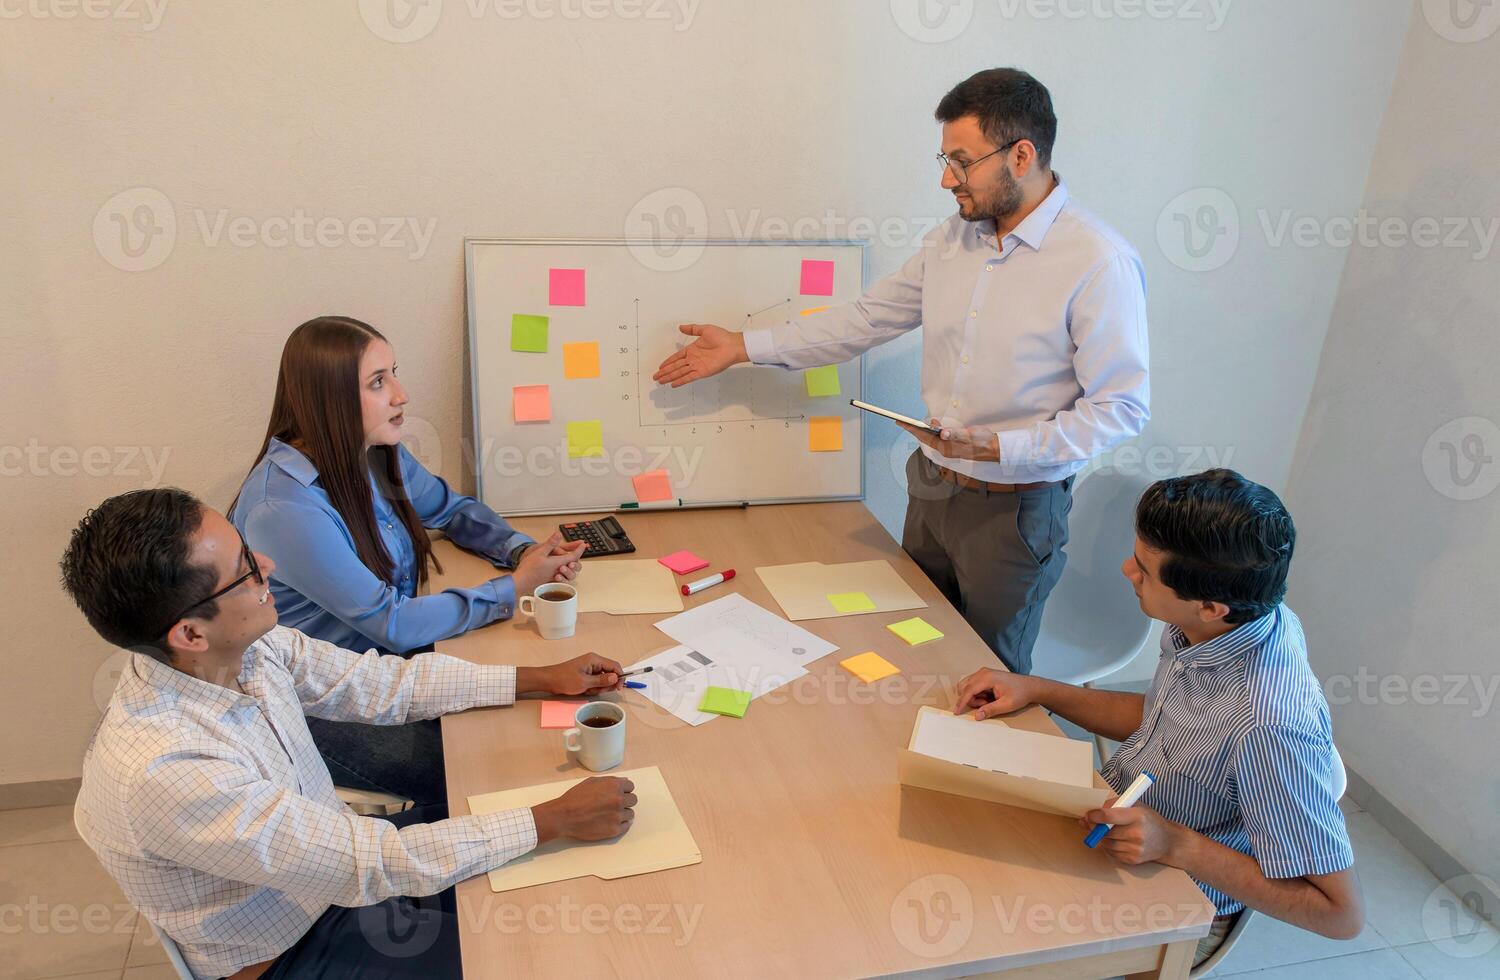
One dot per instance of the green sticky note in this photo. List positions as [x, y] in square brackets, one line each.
[851, 602]
[528, 333]
[822, 382]
[915, 630]
[585, 439]
[725, 701]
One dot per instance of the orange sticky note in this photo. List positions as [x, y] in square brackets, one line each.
[531, 403]
[559, 714]
[869, 667]
[825, 434]
[581, 360]
[656, 485]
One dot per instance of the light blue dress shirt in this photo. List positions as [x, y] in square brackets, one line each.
[1237, 734]
[1040, 337]
[323, 589]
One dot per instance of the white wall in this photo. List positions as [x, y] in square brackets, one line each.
[1397, 560]
[558, 127]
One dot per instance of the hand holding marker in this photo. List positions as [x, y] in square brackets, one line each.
[636, 685]
[1130, 797]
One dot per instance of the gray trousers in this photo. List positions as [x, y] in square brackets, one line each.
[994, 556]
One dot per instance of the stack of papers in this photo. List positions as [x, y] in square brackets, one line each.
[813, 590]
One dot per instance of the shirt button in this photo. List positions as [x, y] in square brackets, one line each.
[990, 267]
[966, 358]
[973, 314]
[955, 403]
[390, 527]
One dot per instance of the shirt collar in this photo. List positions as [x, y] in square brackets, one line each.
[164, 679]
[1222, 650]
[292, 462]
[1034, 227]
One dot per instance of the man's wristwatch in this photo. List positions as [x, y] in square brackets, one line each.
[518, 551]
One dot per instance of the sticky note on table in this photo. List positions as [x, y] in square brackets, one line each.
[825, 434]
[822, 381]
[683, 562]
[564, 287]
[725, 701]
[581, 360]
[653, 486]
[869, 667]
[851, 602]
[528, 333]
[812, 309]
[585, 439]
[531, 403]
[915, 631]
[817, 277]
[559, 714]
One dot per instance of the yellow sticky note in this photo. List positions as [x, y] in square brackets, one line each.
[822, 381]
[825, 434]
[585, 439]
[869, 667]
[851, 602]
[915, 630]
[581, 360]
[814, 309]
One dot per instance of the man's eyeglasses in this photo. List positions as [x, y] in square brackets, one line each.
[254, 573]
[961, 170]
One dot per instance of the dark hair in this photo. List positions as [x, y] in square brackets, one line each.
[1226, 540]
[317, 409]
[1009, 105]
[127, 567]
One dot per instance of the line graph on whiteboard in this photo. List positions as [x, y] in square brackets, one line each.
[744, 394]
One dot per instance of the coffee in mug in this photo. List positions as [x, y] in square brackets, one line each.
[554, 606]
[599, 740]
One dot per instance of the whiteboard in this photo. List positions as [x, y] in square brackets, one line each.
[742, 436]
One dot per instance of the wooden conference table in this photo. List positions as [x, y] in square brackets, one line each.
[816, 861]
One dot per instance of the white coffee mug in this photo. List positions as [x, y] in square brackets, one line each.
[554, 606]
[599, 739]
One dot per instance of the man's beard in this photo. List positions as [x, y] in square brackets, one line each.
[1003, 202]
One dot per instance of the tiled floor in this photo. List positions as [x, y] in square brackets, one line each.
[60, 916]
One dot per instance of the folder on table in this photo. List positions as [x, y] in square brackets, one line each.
[804, 590]
[658, 839]
[989, 760]
[625, 587]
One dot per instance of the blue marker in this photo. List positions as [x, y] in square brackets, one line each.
[636, 685]
[1130, 797]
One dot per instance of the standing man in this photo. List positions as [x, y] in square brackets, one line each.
[1033, 363]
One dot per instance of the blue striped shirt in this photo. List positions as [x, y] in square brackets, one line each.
[323, 589]
[1236, 732]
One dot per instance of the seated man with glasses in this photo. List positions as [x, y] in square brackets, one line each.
[1234, 729]
[204, 796]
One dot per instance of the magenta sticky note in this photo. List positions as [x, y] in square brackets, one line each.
[683, 562]
[817, 277]
[559, 714]
[565, 287]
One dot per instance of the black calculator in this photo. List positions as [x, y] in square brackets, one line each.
[604, 537]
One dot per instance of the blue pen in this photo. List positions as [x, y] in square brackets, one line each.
[637, 685]
[1137, 790]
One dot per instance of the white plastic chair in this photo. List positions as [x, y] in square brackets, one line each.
[1092, 624]
[174, 955]
[1340, 784]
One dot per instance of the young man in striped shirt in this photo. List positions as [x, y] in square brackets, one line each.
[1234, 727]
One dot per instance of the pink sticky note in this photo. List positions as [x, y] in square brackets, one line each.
[559, 714]
[683, 562]
[531, 403]
[656, 485]
[817, 278]
[565, 287]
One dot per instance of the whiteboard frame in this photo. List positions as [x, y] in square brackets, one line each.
[864, 283]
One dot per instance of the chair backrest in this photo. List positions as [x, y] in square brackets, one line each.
[174, 955]
[1340, 776]
[1092, 624]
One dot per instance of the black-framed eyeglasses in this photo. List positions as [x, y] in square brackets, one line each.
[961, 170]
[254, 573]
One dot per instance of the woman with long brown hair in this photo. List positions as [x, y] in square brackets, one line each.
[343, 509]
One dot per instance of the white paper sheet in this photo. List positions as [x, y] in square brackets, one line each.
[682, 674]
[741, 632]
[996, 747]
